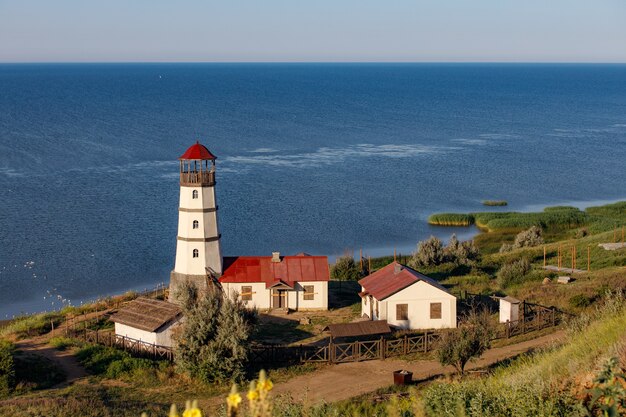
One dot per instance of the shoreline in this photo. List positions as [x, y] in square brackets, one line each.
[31, 307]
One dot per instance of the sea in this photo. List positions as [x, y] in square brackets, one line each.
[319, 158]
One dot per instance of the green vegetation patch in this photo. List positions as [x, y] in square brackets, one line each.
[451, 219]
[113, 363]
[35, 325]
[495, 203]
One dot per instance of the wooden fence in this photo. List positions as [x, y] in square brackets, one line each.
[133, 346]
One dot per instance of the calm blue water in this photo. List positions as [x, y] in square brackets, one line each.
[317, 158]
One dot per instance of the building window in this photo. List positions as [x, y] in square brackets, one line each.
[194, 194]
[195, 224]
[402, 311]
[246, 293]
[435, 310]
[309, 292]
[195, 253]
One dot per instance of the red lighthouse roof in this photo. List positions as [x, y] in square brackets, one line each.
[198, 151]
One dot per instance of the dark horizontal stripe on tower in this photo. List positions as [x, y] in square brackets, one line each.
[199, 239]
[202, 210]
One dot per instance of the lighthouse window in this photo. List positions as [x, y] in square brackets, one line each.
[195, 253]
[195, 224]
[194, 194]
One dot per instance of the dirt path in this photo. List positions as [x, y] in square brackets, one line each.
[63, 359]
[344, 381]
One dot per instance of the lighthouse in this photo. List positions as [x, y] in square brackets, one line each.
[198, 251]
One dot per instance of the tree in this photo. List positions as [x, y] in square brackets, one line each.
[429, 253]
[470, 340]
[213, 342]
[345, 269]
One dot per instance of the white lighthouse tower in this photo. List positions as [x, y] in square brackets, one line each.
[198, 252]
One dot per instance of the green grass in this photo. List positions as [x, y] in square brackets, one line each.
[495, 203]
[34, 325]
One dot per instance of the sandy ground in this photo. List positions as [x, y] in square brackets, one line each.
[344, 381]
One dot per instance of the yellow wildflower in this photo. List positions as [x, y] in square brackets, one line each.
[232, 400]
[192, 412]
[265, 385]
[253, 395]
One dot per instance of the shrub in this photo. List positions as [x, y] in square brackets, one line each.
[470, 340]
[7, 368]
[608, 394]
[213, 342]
[513, 272]
[580, 301]
[529, 238]
[461, 253]
[429, 253]
[580, 233]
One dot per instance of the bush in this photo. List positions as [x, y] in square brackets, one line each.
[112, 363]
[525, 239]
[580, 301]
[7, 368]
[580, 233]
[429, 253]
[461, 253]
[513, 272]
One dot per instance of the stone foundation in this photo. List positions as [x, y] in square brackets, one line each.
[177, 280]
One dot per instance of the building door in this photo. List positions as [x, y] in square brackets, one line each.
[279, 298]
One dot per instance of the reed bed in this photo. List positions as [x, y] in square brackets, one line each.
[495, 203]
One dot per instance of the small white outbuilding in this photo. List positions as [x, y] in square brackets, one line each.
[150, 321]
[407, 299]
[509, 309]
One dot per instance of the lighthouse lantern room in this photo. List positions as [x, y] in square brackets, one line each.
[198, 252]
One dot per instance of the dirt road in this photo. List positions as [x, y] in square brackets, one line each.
[344, 381]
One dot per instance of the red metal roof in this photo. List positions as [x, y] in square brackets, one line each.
[393, 278]
[198, 151]
[291, 269]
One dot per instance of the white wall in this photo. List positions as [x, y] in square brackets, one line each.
[508, 311]
[209, 253]
[162, 338]
[418, 298]
[133, 333]
[261, 296]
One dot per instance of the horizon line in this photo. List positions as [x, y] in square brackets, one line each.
[320, 62]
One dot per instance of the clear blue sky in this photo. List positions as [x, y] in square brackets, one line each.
[313, 30]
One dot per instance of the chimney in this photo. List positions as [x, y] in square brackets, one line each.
[397, 268]
[275, 256]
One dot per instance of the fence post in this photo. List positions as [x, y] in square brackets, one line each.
[382, 347]
[405, 345]
[426, 341]
[507, 329]
[331, 351]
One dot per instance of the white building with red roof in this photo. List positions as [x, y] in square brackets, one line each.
[407, 299]
[298, 282]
